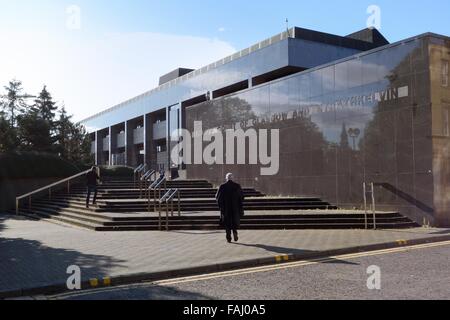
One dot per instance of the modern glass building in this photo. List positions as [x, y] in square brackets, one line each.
[349, 109]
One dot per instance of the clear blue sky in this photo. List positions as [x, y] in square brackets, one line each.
[216, 28]
[245, 22]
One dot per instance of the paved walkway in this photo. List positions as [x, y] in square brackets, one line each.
[35, 254]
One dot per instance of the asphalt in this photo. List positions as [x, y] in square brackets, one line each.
[35, 255]
[414, 274]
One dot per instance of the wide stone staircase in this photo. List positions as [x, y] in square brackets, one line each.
[123, 206]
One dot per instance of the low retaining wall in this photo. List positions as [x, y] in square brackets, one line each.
[10, 189]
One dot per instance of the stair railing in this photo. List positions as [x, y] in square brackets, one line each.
[135, 173]
[176, 194]
[138, 173]
[150, 177]
[144, 180]
[156, 187]
[369, 190]
[48, 188]
[168, 200]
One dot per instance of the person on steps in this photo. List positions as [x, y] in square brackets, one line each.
[92, 179]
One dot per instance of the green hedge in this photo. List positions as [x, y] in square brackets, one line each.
[23, 165]
[116, 171]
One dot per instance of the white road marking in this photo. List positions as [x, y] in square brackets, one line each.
[253, 270]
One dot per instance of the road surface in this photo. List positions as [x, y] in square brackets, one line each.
[417, 272]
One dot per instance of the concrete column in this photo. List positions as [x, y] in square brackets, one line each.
[110, 153]
[102, 156]
[168, 140]
[146, 129]
[97, 148]
[131, 158]
[128, 145]
[150, 156]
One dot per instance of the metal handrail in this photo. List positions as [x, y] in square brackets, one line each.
[144, 179]
[144, 166]
[168, 199]
[148, 174]
[164, 180]
[156, 186]
[138, 168]
[137, 172]
[49, 188]
[372, 192]
[174, 193]
[153, 184]
[165, 196]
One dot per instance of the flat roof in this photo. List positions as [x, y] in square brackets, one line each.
[295, 32]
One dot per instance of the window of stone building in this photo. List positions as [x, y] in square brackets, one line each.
[446, 121]
[444, 73]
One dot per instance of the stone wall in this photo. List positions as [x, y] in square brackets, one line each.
[10, 189]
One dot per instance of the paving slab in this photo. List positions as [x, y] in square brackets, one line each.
[36, 254]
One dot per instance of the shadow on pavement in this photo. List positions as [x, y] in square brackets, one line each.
[29, 264]
[147, 292]
[295, 251]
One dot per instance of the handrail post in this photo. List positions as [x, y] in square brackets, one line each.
[17, 206]
[167, 216]
[373, 207]
[29, 202]
[365, 206]
[179, 204]
[159, 196]
[150, 189]
[159, 223]
[154, 196]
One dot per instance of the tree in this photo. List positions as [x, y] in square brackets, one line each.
[63, 131]
[73, 143]
[45, 106]
[79, 150]
[46, 110]
[40, 127]
[14, 101]
[34, 132]
[8, 136]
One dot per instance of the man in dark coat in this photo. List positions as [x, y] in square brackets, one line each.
[230, 199]
[91, 183]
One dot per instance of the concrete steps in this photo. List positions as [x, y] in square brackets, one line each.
[80, 193]
[120, 209]
[265, 222]
[193, 204]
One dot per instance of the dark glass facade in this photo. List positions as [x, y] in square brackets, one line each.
[365, 119]
[347, 112]
[277, 53]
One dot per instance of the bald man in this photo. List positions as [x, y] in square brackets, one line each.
[230, 199]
